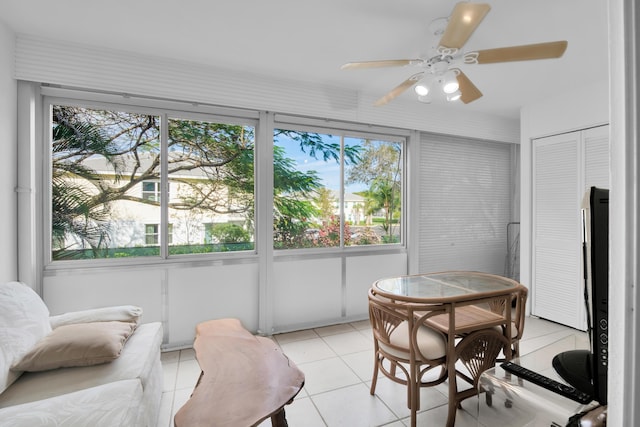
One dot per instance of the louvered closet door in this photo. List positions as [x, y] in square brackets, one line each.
[596, 143]
[564, 168]
[556, 289]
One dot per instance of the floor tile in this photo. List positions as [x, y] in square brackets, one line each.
[349, 342]
[303, 413]
[367, 333]
[334, 329]
[352, 407]
[535, 327]
[179, 399]
[362, 324]
[307, 350]
[539, 343]
[338, 364]
[188, 374]
[394, 395]
[438, 417]
[170, 373]
[170, 357]
[327, 374]
[361, 363]
[166, 407]
[187, 354]
[295, 336]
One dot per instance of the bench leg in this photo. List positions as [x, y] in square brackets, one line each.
[278, 419]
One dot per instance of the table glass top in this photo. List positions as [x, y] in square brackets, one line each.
[444, 285]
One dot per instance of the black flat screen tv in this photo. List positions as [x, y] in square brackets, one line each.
[586, 370]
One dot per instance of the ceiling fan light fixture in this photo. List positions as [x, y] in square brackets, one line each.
[422, 88]
[425, 99]
[454, 96]
[450, 82]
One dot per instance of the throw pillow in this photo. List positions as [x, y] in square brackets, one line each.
[24, 320]
[81, 344]
[122, 313]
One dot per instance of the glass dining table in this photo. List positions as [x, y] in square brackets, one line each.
[474, 300]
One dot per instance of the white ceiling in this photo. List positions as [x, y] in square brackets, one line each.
[309, 41]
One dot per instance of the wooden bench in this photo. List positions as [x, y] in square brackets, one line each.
[245, 379]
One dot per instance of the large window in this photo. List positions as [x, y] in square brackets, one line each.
[336, 190]
[135, 181]
[111, 171]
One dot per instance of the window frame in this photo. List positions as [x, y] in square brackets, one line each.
[348, 130]
[156, 193]
[263, 123]
[166, 111]
[155, 235]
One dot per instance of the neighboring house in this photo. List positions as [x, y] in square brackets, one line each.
[135, 223]
[354, 207]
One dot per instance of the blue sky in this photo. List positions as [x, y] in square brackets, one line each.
[329, 170]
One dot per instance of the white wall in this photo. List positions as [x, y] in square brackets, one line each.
[624, 233]
[338, 291]
[90, 67]
[8, 157]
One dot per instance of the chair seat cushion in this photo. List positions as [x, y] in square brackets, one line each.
[431, 344]
[514, 329]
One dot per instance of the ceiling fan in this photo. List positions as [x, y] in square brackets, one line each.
[442, 69]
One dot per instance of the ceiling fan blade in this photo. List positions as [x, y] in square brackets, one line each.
[463, 21]
[522, 53]
[379, 64]
[469, 91]
[398, 89]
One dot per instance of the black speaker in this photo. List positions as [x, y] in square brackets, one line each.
[587, 370]
[599, 244]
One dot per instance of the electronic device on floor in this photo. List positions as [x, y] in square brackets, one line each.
[586, 370]
[548, 383]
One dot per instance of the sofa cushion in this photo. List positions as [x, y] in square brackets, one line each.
[24, 320]
[136, 361]
[123, 313]
[108, 405]
[81, 344]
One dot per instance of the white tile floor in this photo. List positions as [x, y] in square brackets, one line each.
[338, 362]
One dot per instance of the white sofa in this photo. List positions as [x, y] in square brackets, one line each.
[117, 383]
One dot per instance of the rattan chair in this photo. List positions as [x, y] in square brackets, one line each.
[518, 311]
[406, 350]
[476, 352]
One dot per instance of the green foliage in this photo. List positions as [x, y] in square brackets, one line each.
[366, 236]
[329, 235]
[291, 233]
[222, 157]
[155, 251]
[380, 168]
[325, 203]
[230, 233]
[130, 143]
[314, 145]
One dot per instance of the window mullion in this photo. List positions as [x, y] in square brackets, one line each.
[164, 186]
[341, 195]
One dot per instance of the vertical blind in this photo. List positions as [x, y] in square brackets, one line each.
[465, 203]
